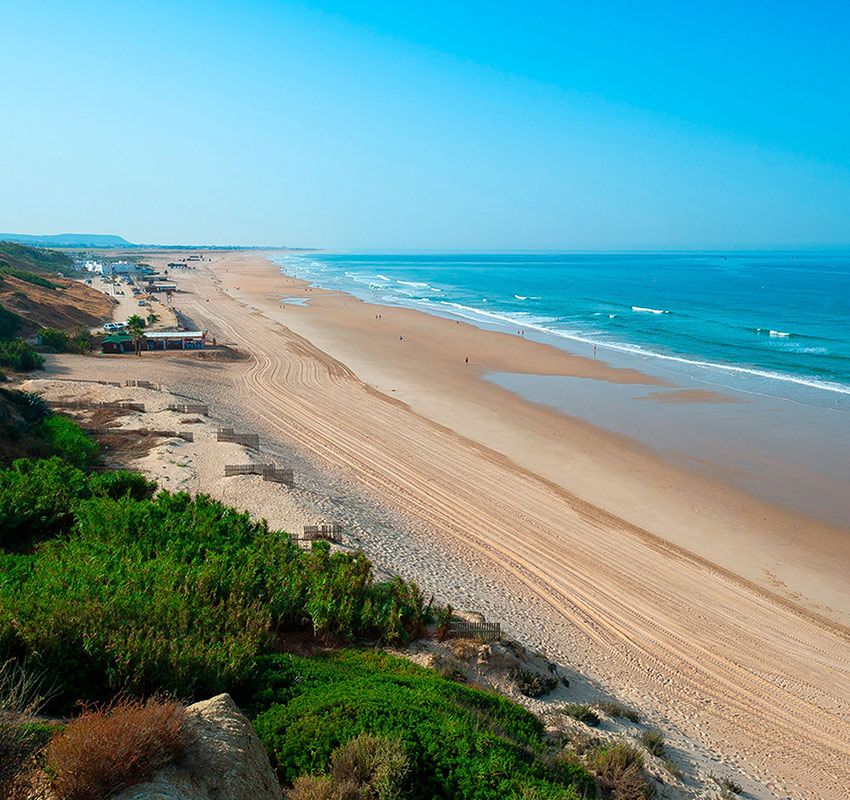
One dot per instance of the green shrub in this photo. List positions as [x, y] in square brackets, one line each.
[122, 484]
[532, 684]
[172, 593]
[615, 709]
[583, 713]
[371, 767]
[18, 355]
[54, 339]
[729, 786]
[619, 770]
[653, 741]
[36, 501]
[10, 324]
[461, 742]
[67, 440]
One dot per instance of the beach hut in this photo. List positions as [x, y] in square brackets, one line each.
[117, 342]
[175, 340]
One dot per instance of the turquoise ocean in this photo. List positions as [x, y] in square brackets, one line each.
[769, 321]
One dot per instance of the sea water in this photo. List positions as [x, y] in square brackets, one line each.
[770, 331]
[782, 317]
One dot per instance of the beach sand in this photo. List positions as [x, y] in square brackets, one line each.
[722, 617]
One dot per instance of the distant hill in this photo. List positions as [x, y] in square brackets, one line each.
[68, 240]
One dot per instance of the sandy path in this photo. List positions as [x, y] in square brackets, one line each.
[730, 666]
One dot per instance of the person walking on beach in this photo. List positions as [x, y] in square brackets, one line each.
[467, 359]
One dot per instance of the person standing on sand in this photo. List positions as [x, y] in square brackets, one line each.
[467, 359]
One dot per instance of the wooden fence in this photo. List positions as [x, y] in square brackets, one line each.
[93, 404]
[269, 472]
[126, 404]
[189, 408]
[324, 530]
[186, 436]
[485, 631]
[144, 384]
[251, 440]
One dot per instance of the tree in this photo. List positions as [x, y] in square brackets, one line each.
[136, 331]
[152, 318]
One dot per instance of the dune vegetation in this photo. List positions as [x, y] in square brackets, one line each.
[110, 587]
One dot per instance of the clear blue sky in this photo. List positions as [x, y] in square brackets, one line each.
[469, 125]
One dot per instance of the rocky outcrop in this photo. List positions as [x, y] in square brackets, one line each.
[224, 761]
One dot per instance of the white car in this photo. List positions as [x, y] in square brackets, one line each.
[114, 326]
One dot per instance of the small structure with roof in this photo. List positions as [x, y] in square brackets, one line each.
[117, 342]
[175, 340]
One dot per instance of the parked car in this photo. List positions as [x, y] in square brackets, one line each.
[114, 326]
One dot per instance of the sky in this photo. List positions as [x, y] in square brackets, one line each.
[437, 126]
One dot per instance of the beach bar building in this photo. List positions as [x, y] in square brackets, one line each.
[117, 343]
[175, 340]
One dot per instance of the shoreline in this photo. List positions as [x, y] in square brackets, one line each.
[690, 509]
[518, 509]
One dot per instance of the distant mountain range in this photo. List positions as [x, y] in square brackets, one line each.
[68, 240]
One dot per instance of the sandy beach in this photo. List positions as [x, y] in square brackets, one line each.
[724, 618]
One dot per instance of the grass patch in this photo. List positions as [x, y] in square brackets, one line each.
[532, 684]
[618, 710]
[619, 768]
[582, 713]
[653, 741]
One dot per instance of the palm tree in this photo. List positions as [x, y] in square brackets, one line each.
[136, 330]
[151, 318]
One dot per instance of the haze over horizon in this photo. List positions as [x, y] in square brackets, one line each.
[375, 126]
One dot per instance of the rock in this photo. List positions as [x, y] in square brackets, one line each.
[224, 761]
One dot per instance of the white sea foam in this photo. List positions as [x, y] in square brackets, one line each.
[781, 334]
[417, 284]
[642, 310]
[814, 383]
[521, 297]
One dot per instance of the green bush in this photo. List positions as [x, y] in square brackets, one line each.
[18, 355]
[172, 593]
[532, 684]
[615, 709]
[66, 439]
[461, 742]
[54, 339]
[10, 324]
[619, 770]
[653, 741]
[367, 768]
[582, 713]
[122, 484]
[36, 501]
